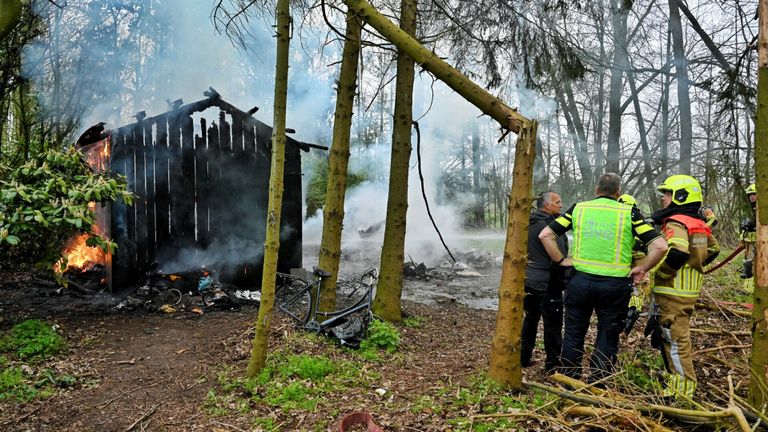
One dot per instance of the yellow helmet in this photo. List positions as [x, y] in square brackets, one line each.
[627, 199]
[751, 189]
[685, 189]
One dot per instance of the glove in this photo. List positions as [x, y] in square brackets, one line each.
[632, 315]
[748, 225]
[709, 215]
[653, 327]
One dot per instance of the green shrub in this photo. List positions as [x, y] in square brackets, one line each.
[307, 367]
[13, 385]
[381, 335]
[32, 339]
[44, 201]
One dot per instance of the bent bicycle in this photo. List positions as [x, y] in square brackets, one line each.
[300, 299]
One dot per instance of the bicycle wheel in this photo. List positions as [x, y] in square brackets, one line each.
[292, 297]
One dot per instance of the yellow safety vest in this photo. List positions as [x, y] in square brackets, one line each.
[602, 237]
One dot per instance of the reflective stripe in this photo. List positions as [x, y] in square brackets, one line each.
[687, 283]
[678, 241]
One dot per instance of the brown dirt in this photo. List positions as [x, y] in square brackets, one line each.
[153, 371]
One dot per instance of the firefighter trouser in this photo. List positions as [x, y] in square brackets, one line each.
[674, 319]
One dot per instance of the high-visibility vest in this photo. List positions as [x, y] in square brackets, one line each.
[687, 282]
[602, 237]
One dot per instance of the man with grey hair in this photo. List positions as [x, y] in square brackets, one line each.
[604, 232]
[544, 284]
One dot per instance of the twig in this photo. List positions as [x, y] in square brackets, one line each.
[684, 414]
[719, 348]
[722, 332]
[227, 425]
[105, 404]
[143, 417]
[9, 421]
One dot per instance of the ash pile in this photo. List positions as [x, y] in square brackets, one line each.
[465, 265]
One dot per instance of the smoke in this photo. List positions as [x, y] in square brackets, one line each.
[119, 57]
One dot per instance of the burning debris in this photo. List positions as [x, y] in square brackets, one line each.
[193, 291]
[365, 232]
[447, 270]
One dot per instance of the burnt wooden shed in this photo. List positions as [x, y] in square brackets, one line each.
[202, 194]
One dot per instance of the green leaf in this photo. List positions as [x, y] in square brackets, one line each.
[12, 239]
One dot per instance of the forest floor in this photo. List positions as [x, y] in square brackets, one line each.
[135, 371]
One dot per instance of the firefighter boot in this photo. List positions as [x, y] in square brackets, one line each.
[746, 271]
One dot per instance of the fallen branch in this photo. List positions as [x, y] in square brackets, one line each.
[17, 420]
[744, 405]
[720, 348]
[103, 405]
[682, 414]
[720, 332]
[143, 417]
[627, 417]
[702, 304]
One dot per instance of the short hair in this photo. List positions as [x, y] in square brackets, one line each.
[608, 184]
[544, 198]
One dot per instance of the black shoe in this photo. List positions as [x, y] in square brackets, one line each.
[746, 271]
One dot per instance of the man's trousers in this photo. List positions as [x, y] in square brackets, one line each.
[608, 297]
[549, 307]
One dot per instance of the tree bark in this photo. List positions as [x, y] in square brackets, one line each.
[338, 160]
[505, 351]
[620, 61]
[683, 98]
[272, 241]
[479, 210]
[758, 383]
[387, 301]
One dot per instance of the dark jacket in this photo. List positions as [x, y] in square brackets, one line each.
[540, 267]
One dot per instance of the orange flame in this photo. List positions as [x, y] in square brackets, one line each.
[79, 255]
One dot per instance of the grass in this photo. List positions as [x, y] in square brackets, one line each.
[26, 345]
[32, 340]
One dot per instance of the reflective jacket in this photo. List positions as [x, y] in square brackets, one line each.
[693, 237]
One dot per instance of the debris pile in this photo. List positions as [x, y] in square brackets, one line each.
[193, 291]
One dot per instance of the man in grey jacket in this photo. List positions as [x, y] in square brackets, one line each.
[544, 284]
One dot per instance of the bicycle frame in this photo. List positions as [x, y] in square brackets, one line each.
[323, 321]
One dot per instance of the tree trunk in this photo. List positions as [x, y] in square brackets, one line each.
[10, 13]
[613, 146]
[479, 210]
[387, 301]
[505, 355]
[272, 241]
[490, 105]
[505, 351]
[758, 362]
[338, 159]
[683, 98]
[664, 127]
[647, 168]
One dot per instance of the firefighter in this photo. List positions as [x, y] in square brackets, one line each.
[640, 289]
[604, 232]
[748, 237]
[677, 279]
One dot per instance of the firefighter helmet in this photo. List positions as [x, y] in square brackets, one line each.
[627, 199]
[751, 189]
[685, 189]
